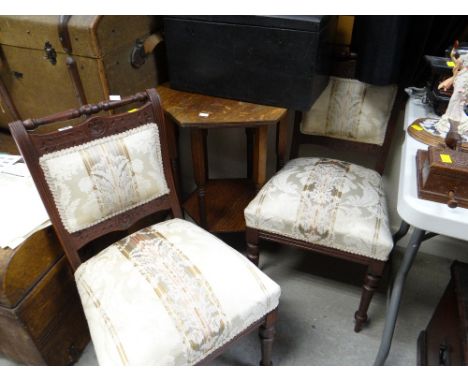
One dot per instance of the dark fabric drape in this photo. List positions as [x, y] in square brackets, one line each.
[391, 49]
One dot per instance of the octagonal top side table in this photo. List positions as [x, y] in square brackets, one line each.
[218, 204]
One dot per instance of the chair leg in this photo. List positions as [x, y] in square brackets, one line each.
[252, 245]
[371, 282]
[267, 334]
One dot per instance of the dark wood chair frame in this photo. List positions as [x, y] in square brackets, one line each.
[375, 268]
[33, 145]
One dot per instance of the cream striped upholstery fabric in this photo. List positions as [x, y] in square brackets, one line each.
[170, 294]
[351, 110]
[326, 202]
[100, 179]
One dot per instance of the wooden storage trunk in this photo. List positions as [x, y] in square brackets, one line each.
[41, 318]
[35, 63]
[273, 60]
[445, 340]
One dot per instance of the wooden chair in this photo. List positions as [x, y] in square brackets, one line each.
[329, 206]
[167, 294]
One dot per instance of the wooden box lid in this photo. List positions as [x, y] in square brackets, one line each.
[90, 36]
[443, 176]
[448, 162]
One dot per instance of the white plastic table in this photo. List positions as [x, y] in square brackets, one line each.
[426, 217]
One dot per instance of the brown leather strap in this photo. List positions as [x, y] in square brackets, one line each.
[64, 37]
[63, 33]
[5, 97]
[76, 80]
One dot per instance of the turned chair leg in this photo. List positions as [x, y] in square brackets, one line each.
[267, 335]
[252, 245]
[371, 282]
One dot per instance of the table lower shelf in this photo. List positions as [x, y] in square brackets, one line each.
[225, 201]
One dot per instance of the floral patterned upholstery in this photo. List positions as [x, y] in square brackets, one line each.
[326, 202]
[188, 293]
[351, 110]
[102, 178]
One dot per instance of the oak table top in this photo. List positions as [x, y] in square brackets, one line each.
[191, 109]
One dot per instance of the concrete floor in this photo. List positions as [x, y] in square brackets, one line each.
[319, 298]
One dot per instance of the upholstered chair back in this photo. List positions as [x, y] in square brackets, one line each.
[353, 116]
[102, 178]
[103, 174]
[351, 110]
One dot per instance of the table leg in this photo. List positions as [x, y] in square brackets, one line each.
[395, 298]
[404, 228]
[249, 132]
[199, 158]
[260, 156]
[281, 141]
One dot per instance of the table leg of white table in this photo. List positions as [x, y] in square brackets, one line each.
[404, 228]
[390, 321]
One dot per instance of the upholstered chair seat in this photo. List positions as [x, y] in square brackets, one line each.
[329, 206]
[167, 294]
[170, 294]
[326, 202]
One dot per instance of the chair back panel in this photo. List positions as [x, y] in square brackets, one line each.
[351, 110]
[101, 175]
[107, 176]
[352, 117]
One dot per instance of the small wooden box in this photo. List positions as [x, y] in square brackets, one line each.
[41, 318]
[441, 171]
[445, 340]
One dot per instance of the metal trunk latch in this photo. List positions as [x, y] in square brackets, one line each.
[50, 53]
[143, 48]
[138, 55]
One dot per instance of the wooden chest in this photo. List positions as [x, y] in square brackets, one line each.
[41, 318]
[445, 340]
[47, 66]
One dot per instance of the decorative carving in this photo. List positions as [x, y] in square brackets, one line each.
[87, 110]
[120, 222]
[456, 108]
[97, 128]
[93, 128]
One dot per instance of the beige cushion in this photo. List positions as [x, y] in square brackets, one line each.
[351, 110]
[326, 202]
[170, 294]
[102, 178]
